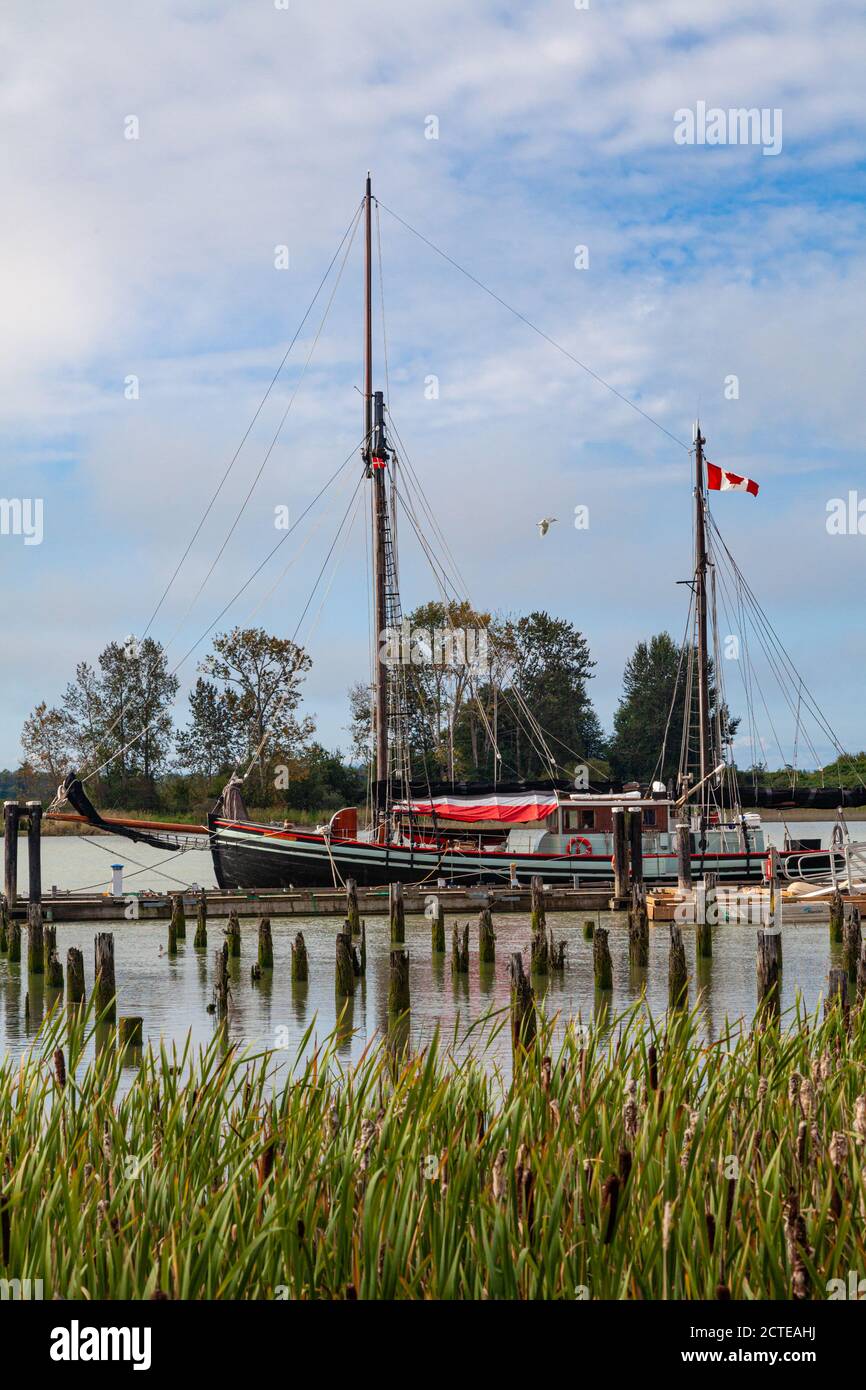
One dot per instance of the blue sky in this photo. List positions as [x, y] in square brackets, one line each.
[155, 258]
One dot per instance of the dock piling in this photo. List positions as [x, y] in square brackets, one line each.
[233, 935]
[486, 937]
[684, 857]
[602, 964]
[620, 857]
[300, 967]
[460, 950]
[437, 927]
[678, 979]
[74, 976]
[200, 938]
[352, 911]
[11, 821]
[769, 969]
[34, 850]
[398, 982]
[523, 1020]
[35, 943]
[345, 977]
[104, 988]
[266, 945]
[397, 912]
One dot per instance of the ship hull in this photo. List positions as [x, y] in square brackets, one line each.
[251, 856]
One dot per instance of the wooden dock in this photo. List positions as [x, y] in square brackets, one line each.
[310, 902]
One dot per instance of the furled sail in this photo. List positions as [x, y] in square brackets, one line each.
[513, 809]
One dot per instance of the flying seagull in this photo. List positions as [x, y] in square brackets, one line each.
[545, 524]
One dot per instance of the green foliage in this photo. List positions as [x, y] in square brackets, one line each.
[738, 1163]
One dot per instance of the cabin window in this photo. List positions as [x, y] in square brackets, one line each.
[649, 815]
[587, 820]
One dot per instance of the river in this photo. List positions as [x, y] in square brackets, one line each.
[172, 994]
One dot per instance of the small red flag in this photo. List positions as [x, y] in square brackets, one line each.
[720, 481]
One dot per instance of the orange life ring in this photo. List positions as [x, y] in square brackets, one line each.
[578, 840]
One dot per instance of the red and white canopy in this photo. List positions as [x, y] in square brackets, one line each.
[522, 806]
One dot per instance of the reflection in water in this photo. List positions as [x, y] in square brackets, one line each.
[172, 993]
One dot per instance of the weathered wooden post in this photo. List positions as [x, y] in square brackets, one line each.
[130, 1031]
[104, 988]
[179, 914]
[54, 972]
[635, 845]
[638, 927]
[684, 857]
[460, 951]
[4, 927]
[837, 917]
[200, 938]
[300, 967]
[852, 941]
[172, 928]
[352, 912]
[398, 982]
[233, 934]
[602, 964]
[706, 915]
[53, 968]
[221, 979]
[620, 857]
[437, 927]
[769, 969]
[14, 940]
[538, 915]
[266, 945]
[34, 850]
[539, 954]
[74, 976]
[588, 929]
[486, 938]
[345, 978]
[555, 952]
[523, 1021]
[397, 912]
[11, 821]
[35, 945]
[678, 979]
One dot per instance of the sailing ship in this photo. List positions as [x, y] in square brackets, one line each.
[503, 832]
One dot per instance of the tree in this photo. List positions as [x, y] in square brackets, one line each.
[116, 718]
[551, 666]
[261, 678]
[361, 722]
[640, 724]
[45, 741]
[210, 743]
[325, 782]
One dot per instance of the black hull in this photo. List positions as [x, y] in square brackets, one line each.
[248, 856]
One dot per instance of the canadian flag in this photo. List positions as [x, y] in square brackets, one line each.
[720, 481]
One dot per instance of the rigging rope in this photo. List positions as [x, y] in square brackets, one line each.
[535, 329]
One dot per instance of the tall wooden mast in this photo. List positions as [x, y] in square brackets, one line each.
[380, 677]
[705, 759]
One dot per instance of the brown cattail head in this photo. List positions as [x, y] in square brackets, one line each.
[610, 1199]
[60, 1067]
